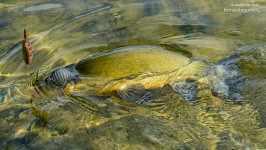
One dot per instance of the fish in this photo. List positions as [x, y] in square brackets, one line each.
[133, 72]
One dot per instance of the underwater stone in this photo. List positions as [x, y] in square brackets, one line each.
[1, 98]
[3, 92]
[3, 23]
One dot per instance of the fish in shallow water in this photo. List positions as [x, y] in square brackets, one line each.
[132, 72]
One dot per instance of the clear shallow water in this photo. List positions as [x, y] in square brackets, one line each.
[66, 32]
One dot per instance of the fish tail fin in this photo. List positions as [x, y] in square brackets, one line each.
[230, 80]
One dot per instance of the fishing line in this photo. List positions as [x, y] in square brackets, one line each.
[27, 51]
[26, 15]
[26, 45]
[25, 36]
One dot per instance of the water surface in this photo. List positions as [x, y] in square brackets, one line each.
[64, 32]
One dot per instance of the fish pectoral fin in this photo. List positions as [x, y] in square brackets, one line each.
[186, 89]
[135, 93]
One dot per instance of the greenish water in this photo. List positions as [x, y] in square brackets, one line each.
[65, 32]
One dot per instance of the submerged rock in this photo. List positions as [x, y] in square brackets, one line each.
[3, 23]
